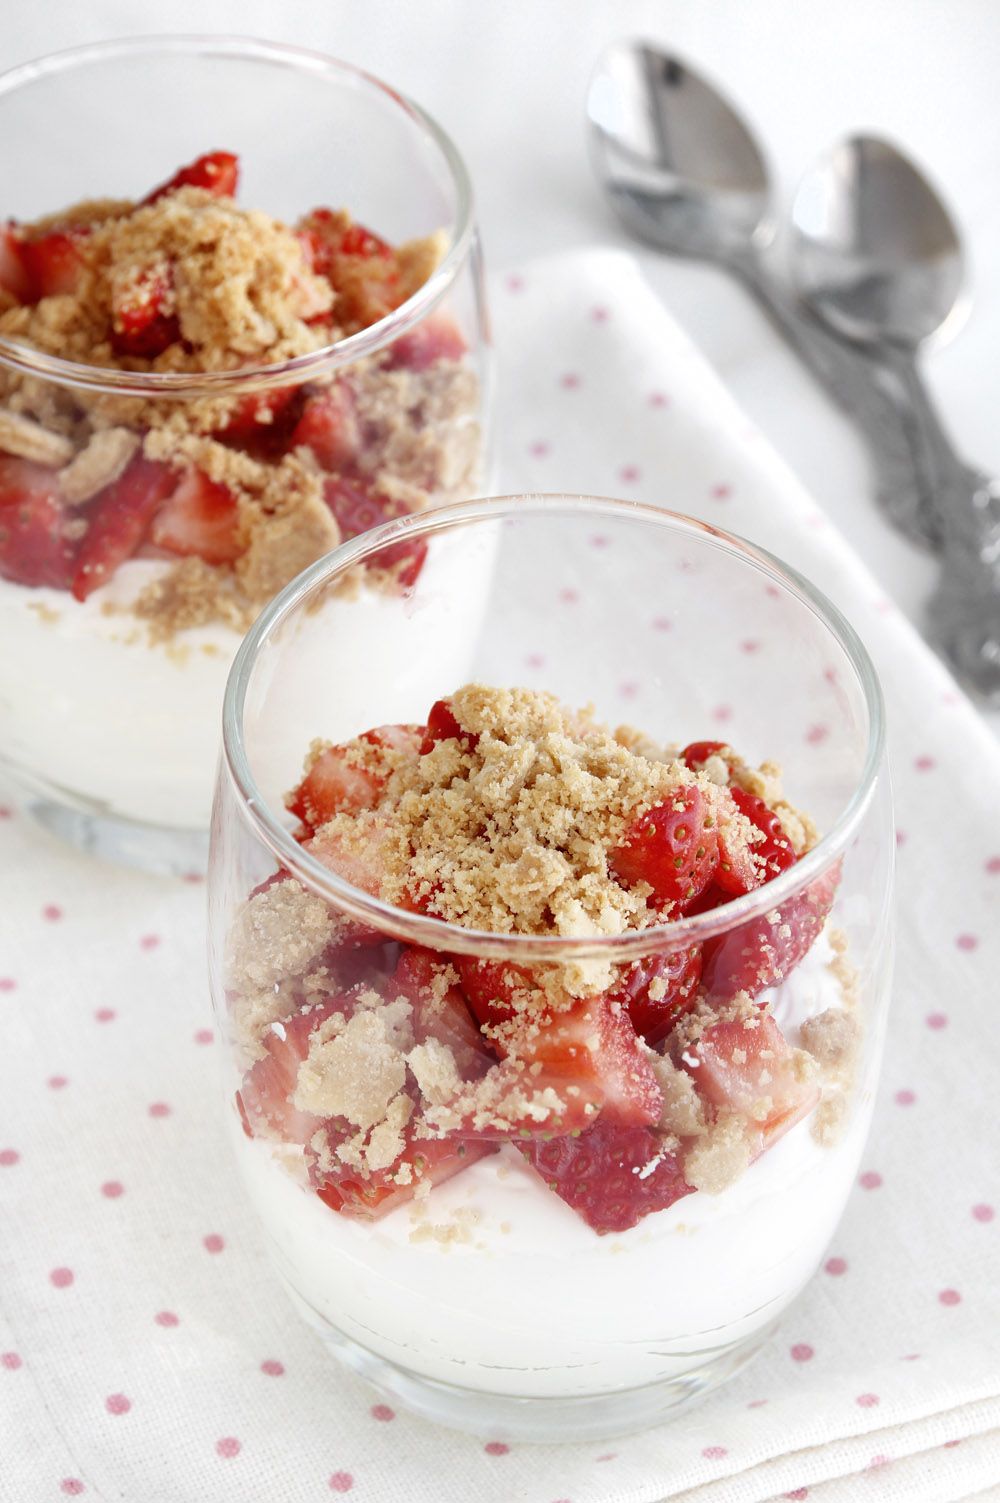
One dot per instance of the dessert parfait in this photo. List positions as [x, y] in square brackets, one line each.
[545, 1179]
[184, 425]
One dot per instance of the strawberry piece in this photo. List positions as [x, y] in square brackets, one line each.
[495, 990]
[673, 977]
[329, 426]
[265, 1096]
[776, 849]
[429, 1160]
[439, 1007]
[674, 848]
[763, 952]
[33, 549]
[593, 1047]
[218, 172]
[326, 237]
[119, 520]
[263, 421]
[697, 754]
[437, 338]
[363, 866]
[13, 272]
[141, 323]
[52, 262]
[200, 519]
[443, 726]
[357, 510]
[747, 1067]
[337, 781]
[737, 871]
[612, 1176]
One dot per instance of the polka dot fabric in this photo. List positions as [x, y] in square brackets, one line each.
[147, 1351]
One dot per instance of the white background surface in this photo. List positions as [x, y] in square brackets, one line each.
[508, 81]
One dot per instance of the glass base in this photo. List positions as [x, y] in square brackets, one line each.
[156, 849]
[493, 1416]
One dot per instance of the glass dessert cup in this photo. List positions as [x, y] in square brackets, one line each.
[489, 1303]
[109, 713]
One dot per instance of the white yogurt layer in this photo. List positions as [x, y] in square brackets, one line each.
[532, 1302]
[94, 711]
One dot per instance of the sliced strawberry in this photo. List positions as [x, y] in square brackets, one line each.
[738, 871]
[200, 519]
[265, 1096]
[217, 172]
[698, 753]
[437, 338]
[329, 426]
[422, 1161]
[439, 1009]
[673, 979]
[263, 422]
[338, 780]
[496, 990]
[119, 521]
[141, 321]
[13, 272]
[33, 548]
[327, 236]
[443, 726]
[357, 510]
[363, 866]
[612, 1176]
[763, 952]
[747, 1067]
[674, 848]
[52, 262]
[775, 851]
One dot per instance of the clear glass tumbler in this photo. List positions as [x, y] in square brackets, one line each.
[110, 696]
[458, 1276]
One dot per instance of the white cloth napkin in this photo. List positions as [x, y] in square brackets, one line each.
[147, 1352]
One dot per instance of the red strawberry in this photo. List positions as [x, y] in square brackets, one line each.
[263, 421]
[437, 338]
[329, 427]
[698, 753]
[493, 988]
[265, 1097]
[326, 236]
[200, 519]
[443, 726]
[13, 273]
[593, 1047]
[119, 520]
[217, 172]
[141, 323]
[748, 1068]
[439, 1009]
[764, 951]
[33, 549]
[362, 866]
[612, 1176]
[737, 871]
[677, 973]
[674, 848]
[337, 781]
[358, 510]
[52, 262]
[422, 1161]
[775, 850]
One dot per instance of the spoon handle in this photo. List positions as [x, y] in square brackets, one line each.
[871, 393]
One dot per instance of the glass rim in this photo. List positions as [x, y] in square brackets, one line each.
[199, 384]
[440, 934]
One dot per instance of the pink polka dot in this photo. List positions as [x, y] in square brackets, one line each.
[10, 1360]
[117, 1403]
[950, 1297]
[905, 1097]
[228, 1446]
[722, 713]
[535, 660]
[714, 1453]
[911, 1357]
[937, 1020]
[662, 623]
[629, 474]
[105, 1015]
[149, 942]
[797, 1494]
[773, 591]
[599, 540]
[901, 837]
[61, 1278]
[159, 1109]
[877, 1462]
[756, 1403]
[836, 1266]
[57, 1082]
[721, 492]
[607, 1456]
[870, 1180]
[52, 912]
[538, 448]
[867, 1400]
[341, 1482]
[112, 1188]
[599, 315]
[193, 877]
[658, 399]
[204, 1036]
[967, 941]
[817, 734]
[7, 983]
[628, 690]
[983, 1212]
[514, 283]
[569, 596]
[6, 813]
[496, 1448]
[749, 646]
[570, 381]
[272, 1367]
[383, 1413]
[924, 763]
[993, 866]
[802, 1352]
[167, 1319]
[9, 1156]
[949, 1445]
[72, 1487]
[213, 1243]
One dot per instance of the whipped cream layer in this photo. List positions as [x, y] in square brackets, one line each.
[494, 1283]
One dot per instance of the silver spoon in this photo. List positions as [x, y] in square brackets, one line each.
[878, 258]
[684, 173]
